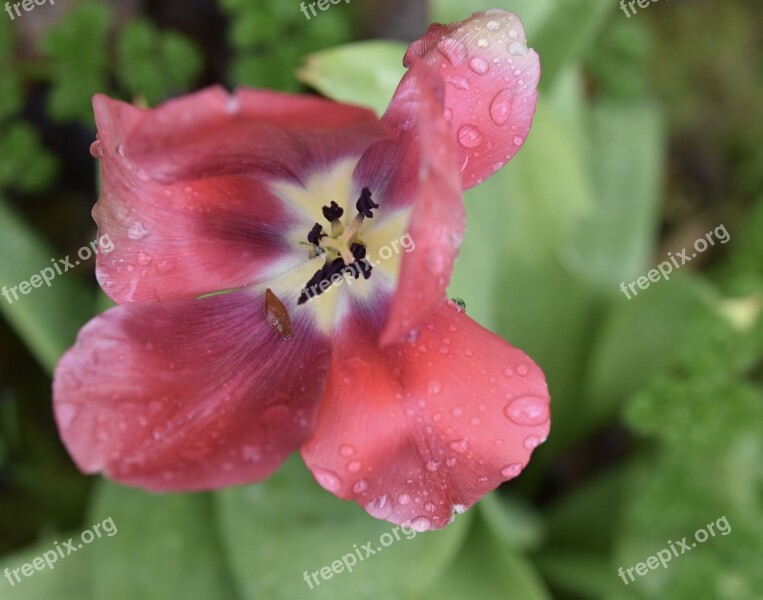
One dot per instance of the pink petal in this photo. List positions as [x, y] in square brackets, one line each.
[176, 240]
[188, 395]
[491, 87]
[419, 431]
[257, 133]
[419, 168]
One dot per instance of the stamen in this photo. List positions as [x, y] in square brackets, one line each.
[333, 212]
[365, 204]
[315, 235]
[325, 276]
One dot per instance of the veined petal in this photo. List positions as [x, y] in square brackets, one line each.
[256, 133]
[182, 239]
[491, 87]
[189, 395]
[418, 431]
[419, 169]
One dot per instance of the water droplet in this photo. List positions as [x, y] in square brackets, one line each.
[379, 507]
[527, 410]
[475, 421]
[144, 259]
[421, 524]
[328, 480]
[432, 465]
[404, 499]
[479, 65]
[511, 470]
[430, 506]
[518, 49]
[434, 387]
[522, 370]
[532, 441]
[447, 114]
[518, 140]
[509, 372]
[96, 149]
[470, 137]
[458, 82]
[460, 446]
[354, 466]
[346, 450]
[501, 107]
[482, 43]
[493, 25]
[451, 460]
[251, 453]
[361, 485]
[137, 231]
[121, 150]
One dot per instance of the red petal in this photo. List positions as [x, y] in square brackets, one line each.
[491, 91]
[183, 239]
[188, 395]
[258, 133]
[419, 168]
[419, 431]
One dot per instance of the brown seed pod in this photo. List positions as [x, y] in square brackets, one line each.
[277, 315]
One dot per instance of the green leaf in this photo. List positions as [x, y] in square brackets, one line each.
[166, 546]
[614, 240]
[287, 526]
[364, 73]
[79, 61]
[26, 165]
[511, 520]
[486, 570]
[47, 319]
[568, 34]
[67, 580]
[156, 64]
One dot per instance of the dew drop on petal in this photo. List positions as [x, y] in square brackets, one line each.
[501, 107]
[361, 485]
[430, 506]
[479, 65]
[532, 442]
[328, 480]
[432, 465]
[460, 446]
[421, 524]
[522, 370]
[459, 82]
[493, 25]
[96, 149]
[354, 466]
[346, 450]
[527, 410]
[404, 499]
[137, 231]
[470, 137]
[434, 387]
[518, 140]
[511, 470]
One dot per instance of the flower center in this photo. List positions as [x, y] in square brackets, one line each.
[343, 250]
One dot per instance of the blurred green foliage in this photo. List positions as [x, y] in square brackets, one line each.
[633, 114]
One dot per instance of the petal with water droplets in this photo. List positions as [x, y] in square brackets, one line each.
[477, 428]
[189, 394]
